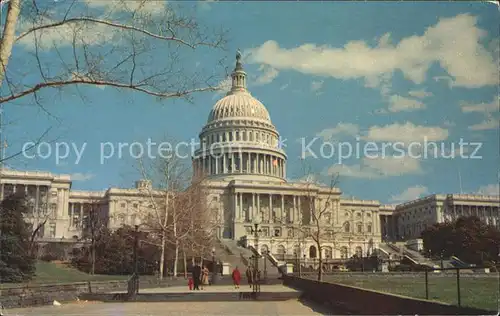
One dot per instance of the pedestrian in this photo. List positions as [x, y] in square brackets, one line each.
[204, 276]
[196, 277]
[249, 276]
[190, 283]
[236, 277]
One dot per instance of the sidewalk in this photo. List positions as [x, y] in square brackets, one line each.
[212, 289]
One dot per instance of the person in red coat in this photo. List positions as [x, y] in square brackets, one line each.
[236, 278]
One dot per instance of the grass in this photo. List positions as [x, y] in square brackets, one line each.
[477, 290]
[55, 272]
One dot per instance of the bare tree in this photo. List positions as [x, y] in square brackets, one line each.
[94, 223]
[177, 211]
[315, 221]
[113, 43]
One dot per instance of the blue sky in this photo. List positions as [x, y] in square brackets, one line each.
[339, 71]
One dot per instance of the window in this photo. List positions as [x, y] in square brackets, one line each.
[277, 232]
[290, 232]
[52, 231]
[237, 135]
[369, 228]
[328, 218]
[360, 228]
[122, 205]
[136, 205]
[346, 227]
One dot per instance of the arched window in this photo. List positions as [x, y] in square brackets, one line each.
[359, 252]
[360, 228]
[312, 252]
[346, 227]
[369, 228]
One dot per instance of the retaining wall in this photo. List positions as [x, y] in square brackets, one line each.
[353, 300]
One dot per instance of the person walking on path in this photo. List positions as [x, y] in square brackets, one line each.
[196, 277]
[204, 277]
[249, 276]
[236, 278]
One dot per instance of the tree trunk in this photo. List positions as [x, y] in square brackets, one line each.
[176, 258]
[185, 263]
[176, 241]
[92, 271]
[320, 261]
[162, 257]
[9, 35]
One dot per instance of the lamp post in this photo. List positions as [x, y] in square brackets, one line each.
[214, 266]
[255, 231]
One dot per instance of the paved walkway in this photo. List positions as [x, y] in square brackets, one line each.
[245, 307]
[170, 308]
[214, 289]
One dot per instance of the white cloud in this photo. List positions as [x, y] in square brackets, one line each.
[487, 124]
[267, 76]
[223, 87]
[379, 167]
[422, 93]
[455, 43]
[411, 193]
[82, 176]
[283, 87]
[341, 128]
[483, 107]
[490, 189]
[406, 133]
[398, 103]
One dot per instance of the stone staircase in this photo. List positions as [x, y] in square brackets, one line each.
[229, 251]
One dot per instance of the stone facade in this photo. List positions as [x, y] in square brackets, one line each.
[414, 216]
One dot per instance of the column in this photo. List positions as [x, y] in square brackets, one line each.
[242, 214]
[2, 187]
[14, 187]
[224, 163]
[209, 164]
[81, 215]
[313, 208]
[37, 198]
[299, 209]
[241, 163]
[236, 212]
[71, 215]
[258, 205]
[217, 160]
[284, 169]
[294, 210]
[204, 165]
[271, 217]
[282, 215]
[254, 211]
[233, 165]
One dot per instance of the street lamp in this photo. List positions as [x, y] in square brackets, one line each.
[255, 231]
[214, 266]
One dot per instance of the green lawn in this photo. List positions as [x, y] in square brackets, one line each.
[479, 291]
[51, 273]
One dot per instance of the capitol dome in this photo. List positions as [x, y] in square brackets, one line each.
[239, 140]
[239, 104]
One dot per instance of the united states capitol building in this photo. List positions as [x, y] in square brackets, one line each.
[245, 170]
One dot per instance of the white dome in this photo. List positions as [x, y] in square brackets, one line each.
[239, 105]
